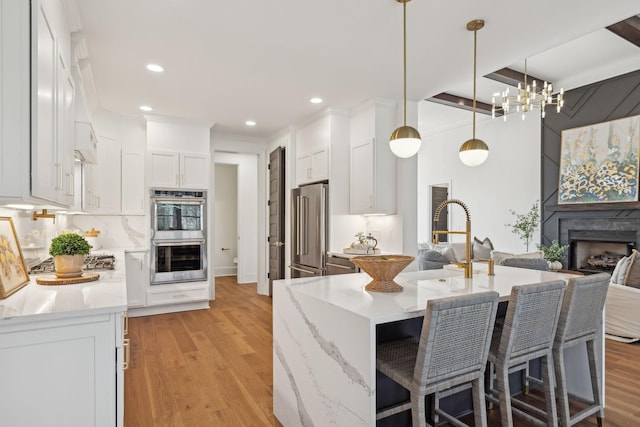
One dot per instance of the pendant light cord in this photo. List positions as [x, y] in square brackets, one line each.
[475, 48]
[404, 63]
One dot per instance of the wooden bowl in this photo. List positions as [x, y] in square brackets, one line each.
[382, 269]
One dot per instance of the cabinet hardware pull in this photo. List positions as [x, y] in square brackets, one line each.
[127, 353]
[125, 323]
[58, 176]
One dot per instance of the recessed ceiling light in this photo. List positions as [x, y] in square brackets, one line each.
[316, 100]
[155, 68]
[250, 123]
[146, 108]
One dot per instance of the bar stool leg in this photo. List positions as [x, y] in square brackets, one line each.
[479, 405]
[563, 397]
[504, 393]
[595, 380]
[418, 410]
[549, 393]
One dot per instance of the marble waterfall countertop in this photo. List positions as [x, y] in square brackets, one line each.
[325, 334]
[37, 302]
[347, 290]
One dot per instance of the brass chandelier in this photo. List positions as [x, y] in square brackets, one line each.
[528, 97]
[405, 141]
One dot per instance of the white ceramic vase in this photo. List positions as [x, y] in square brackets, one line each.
[555, 265]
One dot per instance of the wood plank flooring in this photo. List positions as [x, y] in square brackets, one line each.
[214, 367]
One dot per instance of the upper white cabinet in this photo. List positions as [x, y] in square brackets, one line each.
[312, 150]
[102, 180]
[170, 169]
[86, 142]
[372, 171]
[133, 190]
[52, 109]
[14, 99]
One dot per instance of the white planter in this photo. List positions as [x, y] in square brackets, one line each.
[68, 265]
[555, 265]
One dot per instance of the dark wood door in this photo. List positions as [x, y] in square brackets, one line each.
[276, 216]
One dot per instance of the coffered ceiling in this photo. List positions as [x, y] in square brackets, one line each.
[228, 62]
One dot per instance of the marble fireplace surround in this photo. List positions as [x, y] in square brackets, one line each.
[617, 234]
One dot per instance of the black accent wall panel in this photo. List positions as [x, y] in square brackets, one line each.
[607, 100]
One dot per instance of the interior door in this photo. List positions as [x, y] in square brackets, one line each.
[276, 216]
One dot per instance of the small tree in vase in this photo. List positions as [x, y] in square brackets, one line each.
[553, 254]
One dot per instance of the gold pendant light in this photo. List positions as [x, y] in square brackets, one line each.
[474, 151]
[405, 140]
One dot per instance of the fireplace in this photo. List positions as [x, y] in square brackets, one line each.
[593, 251]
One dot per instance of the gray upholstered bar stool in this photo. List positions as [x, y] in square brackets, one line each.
[580, 322]
[527, 333]
[450, 356]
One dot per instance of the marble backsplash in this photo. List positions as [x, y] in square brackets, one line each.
[116, 232]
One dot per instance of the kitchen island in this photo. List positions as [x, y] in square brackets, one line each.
[325, 331]
[62, 352]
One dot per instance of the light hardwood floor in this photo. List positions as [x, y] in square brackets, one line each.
[214, 367]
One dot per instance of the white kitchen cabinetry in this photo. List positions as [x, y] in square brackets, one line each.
[102, 180]
[178, 293]
[372, 171]
[137, 273]
[312, 166]
[86, 142]
[53, 97]
[65, 371]
[133, 188]
[168, 169]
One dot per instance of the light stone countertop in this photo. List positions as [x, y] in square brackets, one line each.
[347, 290]
[38, 302]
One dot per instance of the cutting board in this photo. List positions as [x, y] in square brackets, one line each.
[53, 280]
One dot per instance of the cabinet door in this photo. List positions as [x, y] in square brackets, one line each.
[164, 169]
[303, 169]
[194, 171]
[47, 174]
[108, 176]
[59, 369]
[66, 132]
[320, 164]
[133, 194]
[361, 181]
[137, 273]
[89, 197]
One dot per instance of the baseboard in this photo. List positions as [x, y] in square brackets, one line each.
[225, 271]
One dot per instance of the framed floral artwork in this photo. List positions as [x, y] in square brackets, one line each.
[13, 271]
[599, 162]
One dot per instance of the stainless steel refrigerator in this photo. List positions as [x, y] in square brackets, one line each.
[309, 230]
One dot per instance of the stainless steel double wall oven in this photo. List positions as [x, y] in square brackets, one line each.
[178, 236]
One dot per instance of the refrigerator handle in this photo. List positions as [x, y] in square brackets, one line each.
[323, 225]
[305, 228]
[298, 226]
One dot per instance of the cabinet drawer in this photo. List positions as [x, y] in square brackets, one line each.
[176, 296]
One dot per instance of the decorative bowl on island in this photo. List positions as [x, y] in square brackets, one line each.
[382, 269]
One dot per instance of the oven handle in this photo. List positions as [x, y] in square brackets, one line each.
[177, 242]
[189, 201]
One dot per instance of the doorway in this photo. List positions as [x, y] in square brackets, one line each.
[226, 212]
[246, 209]
[438, 194]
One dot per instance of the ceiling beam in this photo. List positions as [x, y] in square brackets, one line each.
[460, 102]
[629, 29]
[511, 77]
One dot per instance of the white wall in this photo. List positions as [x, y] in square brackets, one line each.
[509, 179]
[171, 134]
[225, 212]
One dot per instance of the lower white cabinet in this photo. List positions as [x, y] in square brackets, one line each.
[63, 372]
[178, 293]
[137, 274]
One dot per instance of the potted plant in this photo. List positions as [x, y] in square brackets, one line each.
[68, 251]
[553, 254]
[526, 224]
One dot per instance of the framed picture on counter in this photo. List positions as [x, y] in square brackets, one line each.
[13, 271]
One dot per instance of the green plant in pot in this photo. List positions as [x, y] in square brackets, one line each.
[68, 251]
[553, 254]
